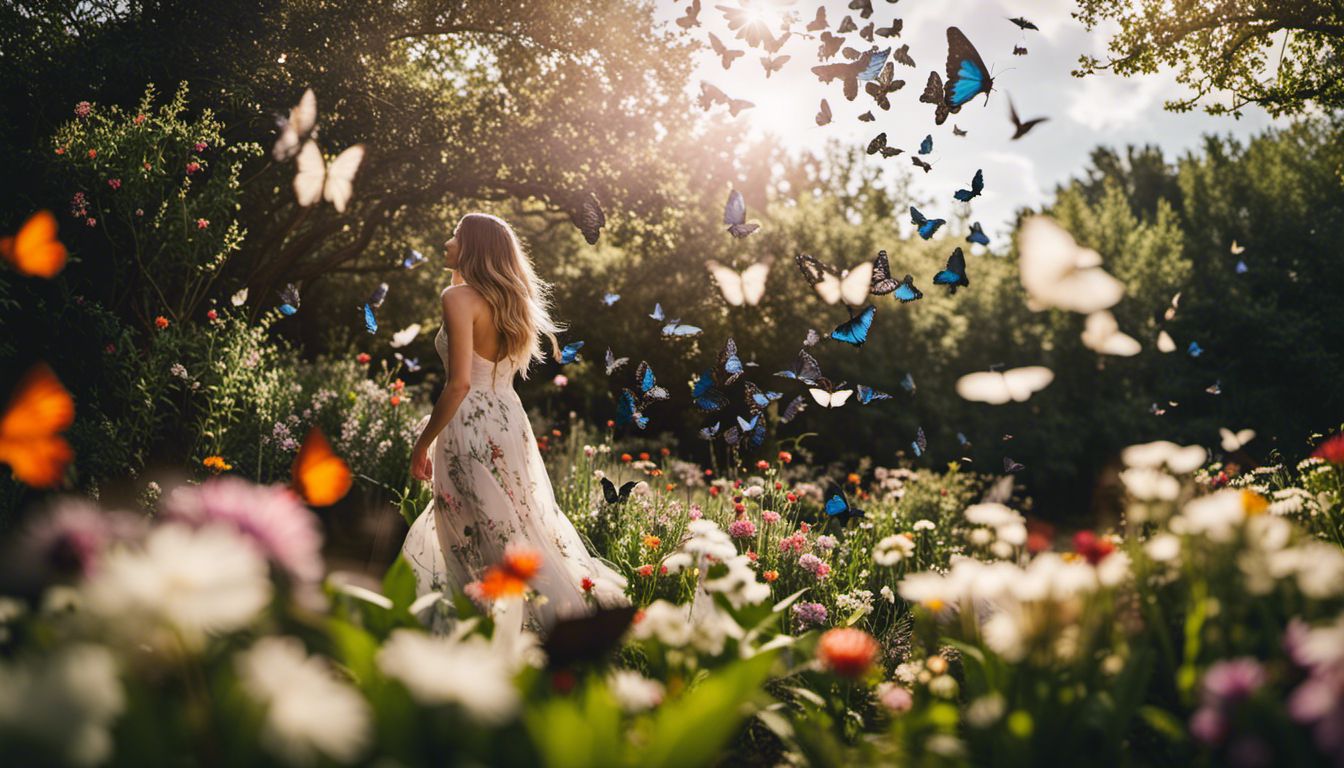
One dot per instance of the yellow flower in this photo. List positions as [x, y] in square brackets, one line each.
[216, 464]
[1253, 503]
[652, 542]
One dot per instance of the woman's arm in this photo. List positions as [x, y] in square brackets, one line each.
[459, 310]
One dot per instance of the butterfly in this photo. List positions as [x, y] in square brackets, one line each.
[926, 146]
[588, 638]
[847, 25]
[864, 7]
[867, 32]
[1241, 267]
[710, 432]
[729, 363]
[1102, 335]
[967, 75]
[796, 406]
[882, 283]
[867, 67]
[706, 395]
[405, 335]
[907, 292]
[710, 95]
[239, 299]
[738, 288]
[735, 216]
[570, 352]
[824, 114]
[39, 410]
[819, 23]
[1235, 441]
[726, 55]
[370, 321]
[920, 163]
[926, 226]
[675, 327]
[829, 395]
[412, 363]
[908, 383]
[609, 299]
[1170, 312]
[804, 369]
[867, 117]
[752, 431]
[1057, 272]
[957, 131]
[869, 395]
[773, 64]
[657, 313]
[977, 186]
[977, 235]
[1023, 24]
[851, 287]
[647, 385]
[1165, 344]
[998, 387]
[919, 444]
[614, 496]
[315, 180]
[933, 94]
[378, 296]
[1021, 128]
[35, 251]
[963, 442]
[1216, 388]
[692, 17]
[320, 476]
[883, 86]
[1194, 350]
[830, 45]
[289, 298]
[627, 411]
[1012, 467]
[879, 144]
[837, 507]
[1019, 50]
[894, 30]
[413, 259]
[811, 338]
[614, 362]
[855, 329]
[1237, 249]
[295, 128]
[954, 274]
[758, 400]
[589, 218]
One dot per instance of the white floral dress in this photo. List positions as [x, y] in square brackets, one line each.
[491, 489]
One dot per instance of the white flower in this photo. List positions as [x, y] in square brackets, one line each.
[887, 594]
[1164, 548]
[708, 540]
[1181, 460]
[860, 600]
[924, 525]
[1216, 515]
[665, 622]
[309, 713]
[677, 562]
[1148, 484]
[187, 581]
[442, 670]
[985, 711]
[1318, 566]
[1001, 549]
[752, 492]
[738, 582]
[980, 537]
[66, 702]
[893, 549]
[641, 488]
[635, 692]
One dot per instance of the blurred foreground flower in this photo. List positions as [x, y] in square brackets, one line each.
[847, 651]
[510, 577]
[62, 704]
[441, 670]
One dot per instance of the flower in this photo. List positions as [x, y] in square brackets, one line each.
[796, 543]
[652, 542]
[847, 651]
[394, 400]
[893, 549]
[161, 322]
[115, 184]
[587, 584]
[633, 691]
[560, 380]
[91, 222]
[193, 167]
[1231, 681]
[1093, 548]
[1331, 450]
[645, 570]
[627, 458]
[68, 542]
[270, 517]
[83, 109]
[211, 315]
[202, 223]
[741, 529]
[762, 464]
[184, 583]
[853, 478]
[826, 542]
[785, 457]
[440, 670]
[199, 146]
[138, 119]
[509, 578]
[770, 575]
[769, 517]
[92, 153]
[216, 464]
[895, 697]
[363, 358]
[791, 496]
[807, 615]
[308, 711]
[811, 563]
[66, 701]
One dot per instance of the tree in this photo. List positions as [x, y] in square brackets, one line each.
[1285, 55]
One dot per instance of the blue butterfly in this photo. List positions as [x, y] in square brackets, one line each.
[926, 146]
[961, 439]
[926, 226]
[648, 386]
[967, 75]
[869, 395]
[908, 383]
[907, 291]
[730, 363]
[796, 406]
[977, 186]
[370, 322]
[758, 400]
[414, 260]
[412, 363]
[610, 298]
[627, 411]
[837, 507]
[977, 235]
[876, 60]
[710, 432]
[855, 329]
[708, 397]
[570, 353]
[804, 369]
[1194, 349]
[920, 444]
[752, 431]
[954, 274]
[1242, 268]
[289, 300]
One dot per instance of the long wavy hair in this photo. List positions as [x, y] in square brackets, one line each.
[493, 261]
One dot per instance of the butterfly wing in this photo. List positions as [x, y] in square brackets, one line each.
[926, 146]
[609, 492]
[707, 397]
[735, 210]
[824, 114]
[966, 72]
[796, 406]
[977, 235]
[405, 335]
[855, 330]
[954, 274]
[239, 299]
[35, 251]
[309, 175]
[570, 352]
[907, 291]
[908, 383]
[648, 385]
[320, 476]
[590, 219]
[340, 183]
[370, 321]
[30, 440]
[882, 282]
[730, 363]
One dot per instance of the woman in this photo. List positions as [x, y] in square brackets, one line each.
[490, 486]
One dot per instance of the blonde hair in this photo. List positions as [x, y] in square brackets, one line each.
[493, 261]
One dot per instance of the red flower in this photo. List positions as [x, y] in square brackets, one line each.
[770, 575]
[202, 223]
[739, 507]
[785, 457]
[1331, 450]
[193, 167]
[93, 153]
[1092, 547]
[714, 490]
[626, 458]
[646, 571]
[199, 146]
[847, 651]
[138, 119]
[670, 486]
[644, 456]
[115, 184]
[363, 358]
[737, 483]
[398, 385]
[752, 556]
[92, 222]
[610, 423]
[212, 315]
[160, 322]
[587, 584]
[395, 400]
[779, 486]
[60, 150]
[110, 348]
[148, 166]
[665, 451]
[555, 433]
[709, 473]
[791, 496]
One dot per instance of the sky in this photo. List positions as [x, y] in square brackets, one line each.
[1084, 113]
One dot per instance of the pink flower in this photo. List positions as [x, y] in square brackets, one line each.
[695, 513]
[741, 529]
[92, 222]
[83, 109]
[115, 184]
[93, 153]
[202, 223]
[193, 167]
[138, 119]
[814, 565]
[645, 570]
[278, 524]
[769, 517]
[826, 542]
[68, 542]
[560, 380]
[823, 571]
[809, 614]
[795, 543]
[895, 697]
[199, 146]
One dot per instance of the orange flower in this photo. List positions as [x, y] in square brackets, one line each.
[627, 458]
[847, 651]
[853, 478]
[785, 457]
[395, 400]
[216, 464]
[645, 570]
[665, 451]
[509, 578]
[652, 542]
[644, 456]
[670, 486]
[160, 322]
[762, 464]
[770, 575]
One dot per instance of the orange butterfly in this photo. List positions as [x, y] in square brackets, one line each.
[320, 476]
[35, 250]
[30, 439]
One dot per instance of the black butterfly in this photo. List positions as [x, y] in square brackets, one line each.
[977, 186]
[848, 72]
[933, 94]
[850, 53]
[751, 431]
[378, 296]
[589, 218]
[796, 406]
[864, 7]
[819, 23]
[1019, 50]
[735, 216]
[884, 85]
[711, 95]
[919, 162]
[882, 281]
[837, 507]
[957, 131]
[830, 45]
[773, 64]
[967, 75]
[1020, 128]
[847, 25]
[587, 638]
[879, 144]
[867, 117]
[813, 271]
[907, 292]
[614, 496]
[1023, 24]
[692, 17]
[892, 31]
[954, 274]
[804, 369]
[902, 56]
[1012, 467]
[824, 115]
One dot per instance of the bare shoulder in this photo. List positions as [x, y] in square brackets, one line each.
[462, 298]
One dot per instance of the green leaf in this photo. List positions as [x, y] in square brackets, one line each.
[581, 731]
[399, 584]
[693, 729]
[1163, 722]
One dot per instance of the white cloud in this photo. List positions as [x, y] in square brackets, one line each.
[1106, 103]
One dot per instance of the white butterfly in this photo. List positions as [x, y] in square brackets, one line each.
[614, 362]
[675, 328]
[239, 299]
[996, 387]
[1102, 335]
[1237, 250]
[852, 288]
[302, 119]
[745, 288]
[1170, 312]
[406, 335]
[315, 180]
[1235, 441]
[1165, 343]
[1057, 272]
[831, 398]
